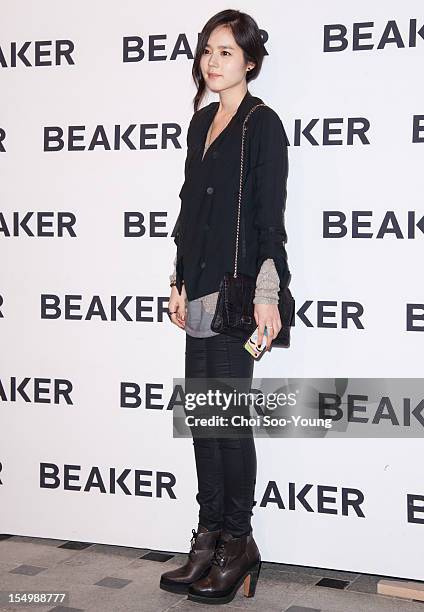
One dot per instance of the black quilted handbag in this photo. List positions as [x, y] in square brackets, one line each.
[234, 314]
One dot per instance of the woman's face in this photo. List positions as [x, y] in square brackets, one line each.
[222, 63]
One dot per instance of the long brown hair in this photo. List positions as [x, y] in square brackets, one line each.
[246, 34]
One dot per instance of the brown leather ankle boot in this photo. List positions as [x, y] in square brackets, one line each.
[197, 565]
[236, 560]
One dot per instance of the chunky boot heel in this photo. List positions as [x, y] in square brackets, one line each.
[198, 563]
[251, 580]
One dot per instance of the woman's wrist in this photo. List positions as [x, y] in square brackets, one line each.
[266, 300]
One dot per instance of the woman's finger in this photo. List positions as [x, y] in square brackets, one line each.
[261, 328]
[270, 334]
[175, 314]
[178, 322]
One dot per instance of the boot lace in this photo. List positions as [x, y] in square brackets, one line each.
[192, 543]
[219, 554]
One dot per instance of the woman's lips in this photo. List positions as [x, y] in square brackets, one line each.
[213, 76]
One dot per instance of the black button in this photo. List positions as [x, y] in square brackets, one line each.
[214, 154]
[209, 190]
[202, 264]
[207, 226]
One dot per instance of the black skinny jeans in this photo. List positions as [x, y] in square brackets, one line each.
[226, 466]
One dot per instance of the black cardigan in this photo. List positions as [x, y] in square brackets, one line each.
[205, 230]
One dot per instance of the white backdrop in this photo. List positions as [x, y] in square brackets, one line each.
[80, 372]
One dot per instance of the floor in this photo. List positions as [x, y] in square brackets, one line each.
[113, 578]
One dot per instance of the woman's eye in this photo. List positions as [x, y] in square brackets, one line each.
[207, 51]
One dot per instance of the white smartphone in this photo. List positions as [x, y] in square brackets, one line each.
[251, 344]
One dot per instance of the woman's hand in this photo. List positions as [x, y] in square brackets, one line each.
[269, 315]
[177, 305]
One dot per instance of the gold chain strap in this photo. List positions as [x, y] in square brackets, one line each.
[241, 181]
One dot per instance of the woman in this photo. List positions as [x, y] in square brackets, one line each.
[229, 54]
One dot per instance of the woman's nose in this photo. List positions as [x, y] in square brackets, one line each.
[212, 60]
